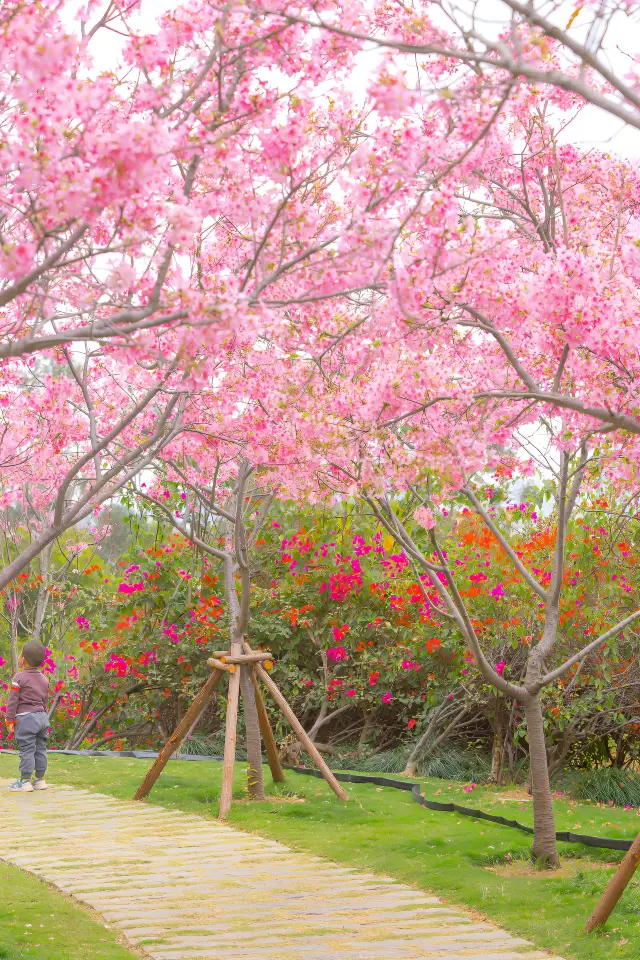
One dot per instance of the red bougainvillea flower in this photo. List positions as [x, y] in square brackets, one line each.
[433, 644]
[373, 678]
[411, 724]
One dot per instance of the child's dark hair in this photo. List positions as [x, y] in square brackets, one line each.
[34, 653]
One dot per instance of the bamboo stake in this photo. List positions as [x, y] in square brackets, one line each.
[230, 734]
[243, 657]
[300, 732]
[268, 738]
[184, 727]
[616, 887]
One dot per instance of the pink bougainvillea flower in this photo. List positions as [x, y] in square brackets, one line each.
[49, 664]
[336, 654]
[351, 693]
[498, 591]
[386, 697]
[373, 678]
[500, 665]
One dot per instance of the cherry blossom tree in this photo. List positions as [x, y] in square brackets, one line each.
[507, 340]
[75, 435]
[186, 186]
[221, 508]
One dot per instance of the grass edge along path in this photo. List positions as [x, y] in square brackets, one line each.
[384, 831]
[39, 922]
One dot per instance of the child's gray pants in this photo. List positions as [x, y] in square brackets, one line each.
[31, 737]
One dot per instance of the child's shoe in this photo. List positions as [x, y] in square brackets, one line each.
[40, 784]
[21, 786]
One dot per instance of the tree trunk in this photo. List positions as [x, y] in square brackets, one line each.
[13, 642]
[497, 753]
[544, 849]
[255, 782]
[43, 592]
[324, 709]
[268, 738]
[557, 756]
[364, 734]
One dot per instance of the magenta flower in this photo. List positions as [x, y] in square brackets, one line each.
[336, 654]
[500, 665]
[386, 697]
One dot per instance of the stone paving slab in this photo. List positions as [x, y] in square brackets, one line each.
[180, 887]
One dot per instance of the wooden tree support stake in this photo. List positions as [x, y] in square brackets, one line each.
[268, 738]
[221, 665]
[300, 732]
[173, 743]
[616, 887]
[231, 730]
[226, 657]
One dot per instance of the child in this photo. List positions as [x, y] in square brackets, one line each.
[27, 715]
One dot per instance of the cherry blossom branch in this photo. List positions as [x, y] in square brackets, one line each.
[504, 543]
[187, 532]
[594, 645]
[104, 443]
[10, 293]
[498, 56]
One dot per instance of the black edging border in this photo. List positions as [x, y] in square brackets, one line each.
[608, 843]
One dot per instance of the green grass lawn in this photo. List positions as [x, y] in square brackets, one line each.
[39, 923]
[469, 862]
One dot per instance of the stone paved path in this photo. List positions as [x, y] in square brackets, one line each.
[182, 887]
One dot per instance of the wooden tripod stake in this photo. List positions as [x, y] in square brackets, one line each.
[616, 887]
[231, 663]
